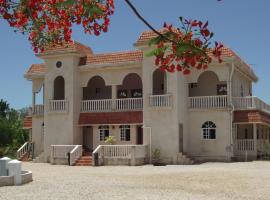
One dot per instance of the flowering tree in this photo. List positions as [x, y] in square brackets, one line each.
[49, 23]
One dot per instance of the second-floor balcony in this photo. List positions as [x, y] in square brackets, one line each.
[222, 101]
[58, 105]
[107, 105]
[38, 110]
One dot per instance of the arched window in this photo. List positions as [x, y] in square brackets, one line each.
[209, 130]
[159, 82]
[59, 88]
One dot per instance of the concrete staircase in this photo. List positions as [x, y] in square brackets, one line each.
[183, 159]
[85, 160]
[26, 157]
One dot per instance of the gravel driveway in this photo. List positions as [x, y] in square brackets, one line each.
[211, 181]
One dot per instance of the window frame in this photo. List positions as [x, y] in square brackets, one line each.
[208, 126]
[123, 133]
[102, 132]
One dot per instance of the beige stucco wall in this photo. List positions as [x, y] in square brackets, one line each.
[209, 149]
[239, 80]
[38, 134]
[62, 128]
[114, 131]
[163, 122]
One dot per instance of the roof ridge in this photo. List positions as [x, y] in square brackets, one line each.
[116, 52]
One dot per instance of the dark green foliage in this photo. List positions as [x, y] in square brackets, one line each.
[12, 135]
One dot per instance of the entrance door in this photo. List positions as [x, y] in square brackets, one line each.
[139, 135]
[88, 138]
[181, 138]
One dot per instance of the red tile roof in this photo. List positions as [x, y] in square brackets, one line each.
[251, 116]
[27, 122]
[128, 56]
[226, 52]
[115, 57]
[134, 117]
[71, 47]
[36, 69]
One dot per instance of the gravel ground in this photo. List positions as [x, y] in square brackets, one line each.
[209, 181]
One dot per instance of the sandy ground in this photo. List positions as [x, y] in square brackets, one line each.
[209, 181]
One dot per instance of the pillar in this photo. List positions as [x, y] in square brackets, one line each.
[15, 169]
[3, 166]
[255, 138]
[114, 96]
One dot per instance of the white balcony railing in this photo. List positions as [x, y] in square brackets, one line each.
[250, 103]
[102, 105]
[38, 110]
[96, 105]
[129, 104]
[164, 100]
[245, 145]
[58, 105]
[205, 102]
[120, 153]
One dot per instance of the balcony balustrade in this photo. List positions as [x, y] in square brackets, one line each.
[58, 106]
[206, 102]
[164, 100]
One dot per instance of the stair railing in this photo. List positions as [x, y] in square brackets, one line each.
[22, 150]
[74, 154]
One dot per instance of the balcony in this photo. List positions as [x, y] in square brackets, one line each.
[38, 110]
[221, 101]
[164, 100]
[249, 102]
[208, 102]
[108, 105]
[58, 105]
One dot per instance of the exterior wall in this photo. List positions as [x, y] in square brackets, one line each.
[38, 134]
[116, 133]
[215, 149]
[163, 122]
[62, 128]
[112, 76]
[241, 82]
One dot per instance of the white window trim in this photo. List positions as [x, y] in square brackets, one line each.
[202, 132]
[124, 128]
[102, 130]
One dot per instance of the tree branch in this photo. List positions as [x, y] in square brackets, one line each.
[145, 22]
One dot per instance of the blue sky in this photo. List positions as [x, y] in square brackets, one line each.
[240, 24]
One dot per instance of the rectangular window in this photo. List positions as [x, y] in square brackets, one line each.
[136, 93]
[125, 133]
[222, 89]
[122, 94]
[209, 134]
[103, 132]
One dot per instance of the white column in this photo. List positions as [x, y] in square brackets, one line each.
[114, 96]
[255, 137]
[14, 169]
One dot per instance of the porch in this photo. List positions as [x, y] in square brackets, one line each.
[252, 141]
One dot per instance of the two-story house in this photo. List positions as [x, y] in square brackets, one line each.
[207, 115]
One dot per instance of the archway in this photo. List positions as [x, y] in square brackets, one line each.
[159, 82]
[131, 87]
[96, 89]
[59, 88]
